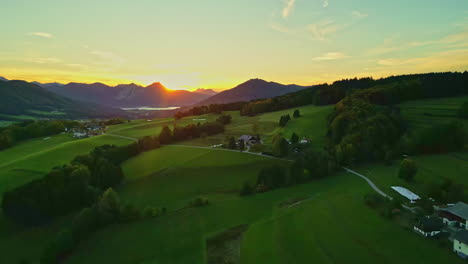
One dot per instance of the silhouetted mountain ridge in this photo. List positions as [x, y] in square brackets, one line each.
[251, 90]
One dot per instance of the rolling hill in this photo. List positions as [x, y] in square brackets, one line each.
[126, 95]
[23, 98]
[251, 90]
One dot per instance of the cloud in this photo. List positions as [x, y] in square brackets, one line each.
[289, 6]
[323, 28]
[280, 28]
[41, 60]
[107, 57]
[358, 14]
[41, 34]
[330, 56]
[325, 3]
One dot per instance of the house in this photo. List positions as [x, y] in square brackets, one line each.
[304, 141]
[456, 215]
[250, 140]
[460, 243]
[406, 193]
[78, 133]
[428, 226]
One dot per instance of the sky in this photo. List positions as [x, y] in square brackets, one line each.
[187, 44]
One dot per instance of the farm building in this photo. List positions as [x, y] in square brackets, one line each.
[428, 226]
[304, 141]
[456, 215]
[250, 140]
[406, 193]
[460, 243]
[80, 133]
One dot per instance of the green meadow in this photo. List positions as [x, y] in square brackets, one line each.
[324, 221]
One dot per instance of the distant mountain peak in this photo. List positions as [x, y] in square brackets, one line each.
[156, 85]
[3, 79]
[205, 91]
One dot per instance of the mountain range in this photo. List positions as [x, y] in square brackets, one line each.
[127, 95]
[77, 99]
[23, 98]
[251, 90]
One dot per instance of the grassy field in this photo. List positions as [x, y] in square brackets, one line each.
[312, 125]
[431, 169]
[424, 113]
[332, 225]
[33, 159]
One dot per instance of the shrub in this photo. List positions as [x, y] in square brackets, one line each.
[407, 170]
[199, 202]
[246, 189]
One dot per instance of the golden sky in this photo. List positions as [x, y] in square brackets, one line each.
[219, 44]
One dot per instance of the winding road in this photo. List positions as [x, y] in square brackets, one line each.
[377, 189]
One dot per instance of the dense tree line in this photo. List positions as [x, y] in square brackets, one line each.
[389, 90]
[439, 138]
[15, 133]
[310, 166]
[209, 109]
[71, 187]
[361, 131]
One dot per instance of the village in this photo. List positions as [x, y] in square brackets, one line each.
[87, 129]
[448, 221]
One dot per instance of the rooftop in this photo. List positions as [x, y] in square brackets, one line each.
[462, 236]
[406, 193]
[460, 209]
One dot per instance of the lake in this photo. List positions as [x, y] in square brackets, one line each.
[145, 108]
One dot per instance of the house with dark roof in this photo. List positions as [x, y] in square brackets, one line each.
[428, 226]
[456, 215]
[460, 243]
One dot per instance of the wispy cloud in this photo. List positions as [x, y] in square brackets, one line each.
[323, 29]
[41, 34]
[330, 56]
[288, 8]
[358, 14]
[390, 45]
[107, 57]
[325, 3]
[41, 60]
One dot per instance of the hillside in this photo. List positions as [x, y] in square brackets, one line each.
[23, 98]
[205, 91]
[126, 95]
[251, 90]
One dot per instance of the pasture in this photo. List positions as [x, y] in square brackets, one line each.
[332, 225]
[427, 112]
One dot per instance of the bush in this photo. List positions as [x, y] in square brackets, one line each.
[407, 170]
[199, 202]
[463, 111]
[246, 189]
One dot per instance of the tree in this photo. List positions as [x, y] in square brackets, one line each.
[296, 113]
[281, 147]
[463, 111]
[241, 145]
[232, 143]
[294, 138]
[165, 137]
[407, 170]
[246, 189]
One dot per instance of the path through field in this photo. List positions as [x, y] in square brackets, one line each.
[198, 147]
[372, 184]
